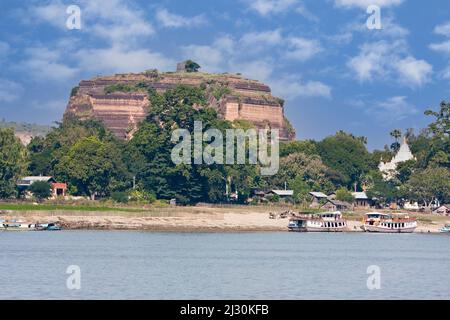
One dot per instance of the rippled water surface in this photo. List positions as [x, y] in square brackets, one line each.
[146, 265]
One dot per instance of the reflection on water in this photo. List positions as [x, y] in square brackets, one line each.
[145, 265]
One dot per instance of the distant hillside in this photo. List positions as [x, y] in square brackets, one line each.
[25, 131]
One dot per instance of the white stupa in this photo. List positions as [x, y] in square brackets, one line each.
[388, 169]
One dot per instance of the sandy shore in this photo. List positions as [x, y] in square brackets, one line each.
[190, 219]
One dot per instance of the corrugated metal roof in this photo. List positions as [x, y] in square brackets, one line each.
[318, 194]
[27, 181]
[37, 178]
[359, 195]
[283, 192]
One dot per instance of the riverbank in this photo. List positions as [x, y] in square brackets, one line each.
[189, 219]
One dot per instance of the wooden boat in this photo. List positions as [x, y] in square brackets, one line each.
[17, 226]
[321, 222]
[445, 229]
[387, 223]
[53, 226]
[25, 226]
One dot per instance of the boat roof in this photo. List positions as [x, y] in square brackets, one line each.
[377, 214]
[336, 213]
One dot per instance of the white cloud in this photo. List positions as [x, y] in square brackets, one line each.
[392, 109]
[446, 73]
[262, 38]
[392, 29]
[295, 48]
[171, 20]
[221, 56]
[302, 49]
[290, 88]
[442, 47]
[210, 58]
[9, 90]
[384, 60]
[371, 60]
[365, 3]
[414, 72]
[269, 7]
[121, 23]
[258, 69]
[53, 13]
[117, 60]
[114, 20]
[305, 13]
[41, 63]
[443, 29]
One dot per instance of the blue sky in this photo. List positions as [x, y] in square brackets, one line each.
[334, 72]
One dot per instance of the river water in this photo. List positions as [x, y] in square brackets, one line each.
[266, 265]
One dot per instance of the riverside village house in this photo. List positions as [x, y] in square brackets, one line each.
[58, 188]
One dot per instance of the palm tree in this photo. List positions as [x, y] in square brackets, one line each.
[396, 134]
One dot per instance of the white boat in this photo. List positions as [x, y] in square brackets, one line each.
[17, 226]
[445, 229]
[321, 222]
[387, 223]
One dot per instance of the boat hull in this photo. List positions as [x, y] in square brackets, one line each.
[379, 229]
[308, 228]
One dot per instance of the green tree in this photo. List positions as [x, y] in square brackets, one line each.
[439, 153]
[191, 66]
[40, 157]
[308, 147]
[41, 190]
[188, 183]
[347, 155]
[405, 169]
[301, 189]
[380, 191]
[342, 194]
[93, 167]
[13, 157]
[426, 186]
[302, 173]
[396, 134]
[46, 153]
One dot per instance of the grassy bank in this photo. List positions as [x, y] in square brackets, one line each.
[63, 207]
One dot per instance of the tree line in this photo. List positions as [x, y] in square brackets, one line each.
[95, 163]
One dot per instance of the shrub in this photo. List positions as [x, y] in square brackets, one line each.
[142, 196]
[342, 194]
[120, 197]
[41, 190]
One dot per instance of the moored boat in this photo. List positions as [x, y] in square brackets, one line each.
[53, 226]
[14, 225]
[445, 229]
[321, 222]
[387, 223]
